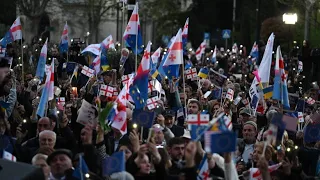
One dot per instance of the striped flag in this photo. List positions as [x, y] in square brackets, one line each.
[280, 89]
[42, 61]
[63, 47]
[132, 34]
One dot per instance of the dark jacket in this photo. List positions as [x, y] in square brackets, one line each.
[178, 131]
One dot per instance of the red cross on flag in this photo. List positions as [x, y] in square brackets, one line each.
[311, 101]
[126, 79]
[61, 100]
[87, 71]
[152, 102]
[200, 50]
[154, 85]
[115, 92]
[229, 94]
[175, 52]
[300, 117]
[106, 90]
[191, 73]
[198, 119]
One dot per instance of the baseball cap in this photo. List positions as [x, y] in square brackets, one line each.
[246, 111]
[169, 113]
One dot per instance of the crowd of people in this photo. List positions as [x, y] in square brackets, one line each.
[58, 144]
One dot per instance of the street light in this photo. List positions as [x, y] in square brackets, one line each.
[290, 18]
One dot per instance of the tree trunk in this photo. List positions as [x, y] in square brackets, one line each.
[31, 29]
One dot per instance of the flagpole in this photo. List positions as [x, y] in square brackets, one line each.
[123, 24]
[184, 89]
[22, 67]
[136, 65]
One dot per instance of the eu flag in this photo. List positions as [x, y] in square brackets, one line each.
[312, 133]
[7, 39]
[223, 142]
[136, 97]
[143, 118]
[113, 164]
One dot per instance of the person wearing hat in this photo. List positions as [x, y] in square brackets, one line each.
[245, 114]
[59, 161]
[246, 144]
[169, 121]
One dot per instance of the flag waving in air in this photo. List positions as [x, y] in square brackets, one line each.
[254, 52]
[280, 88]
[132, 34]
[63, 47]
[14, 33]
[47, 92]
[140, 82]
[200, 50]
[42, 61]
[105, 45]
[185, 36]
[264, 68]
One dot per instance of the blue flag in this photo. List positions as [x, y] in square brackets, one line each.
[7, 39]
[277, 121]
[196, 131]
[223, 142]
[82, 169]
[311, 133]
[113, 164]
[136, 97]
[143, 118]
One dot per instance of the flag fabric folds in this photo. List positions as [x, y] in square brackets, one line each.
[113, 164]
[203, 170]
[221, 142]
[200, 50]
[140, 81]
[214, 55]
[264, 68]
[185, 36]
[42, 61]
[105, 45]
[203, 73]
[254, 52]
[280, 89]
[132, 35]
[47, 92]
[82, 169]
[93, 48]
[63, 47]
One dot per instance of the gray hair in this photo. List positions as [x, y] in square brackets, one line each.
[48, 132]
[38, 157]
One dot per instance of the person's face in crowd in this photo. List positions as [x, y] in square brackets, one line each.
[257, 152]
[206, 85]
[169, 121]
[160, 119]
[245, 117]
[2, 127]
[126, 151]
[193, 108]
[47, 140]
[3, 73]
[249, 133]
[41, 163]
[107, 79]
[158, 137]
[188, 92]
[176, 152]
[145, 165]
[20, 109]
[215, 108]
[43, 124]
[59, 164]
